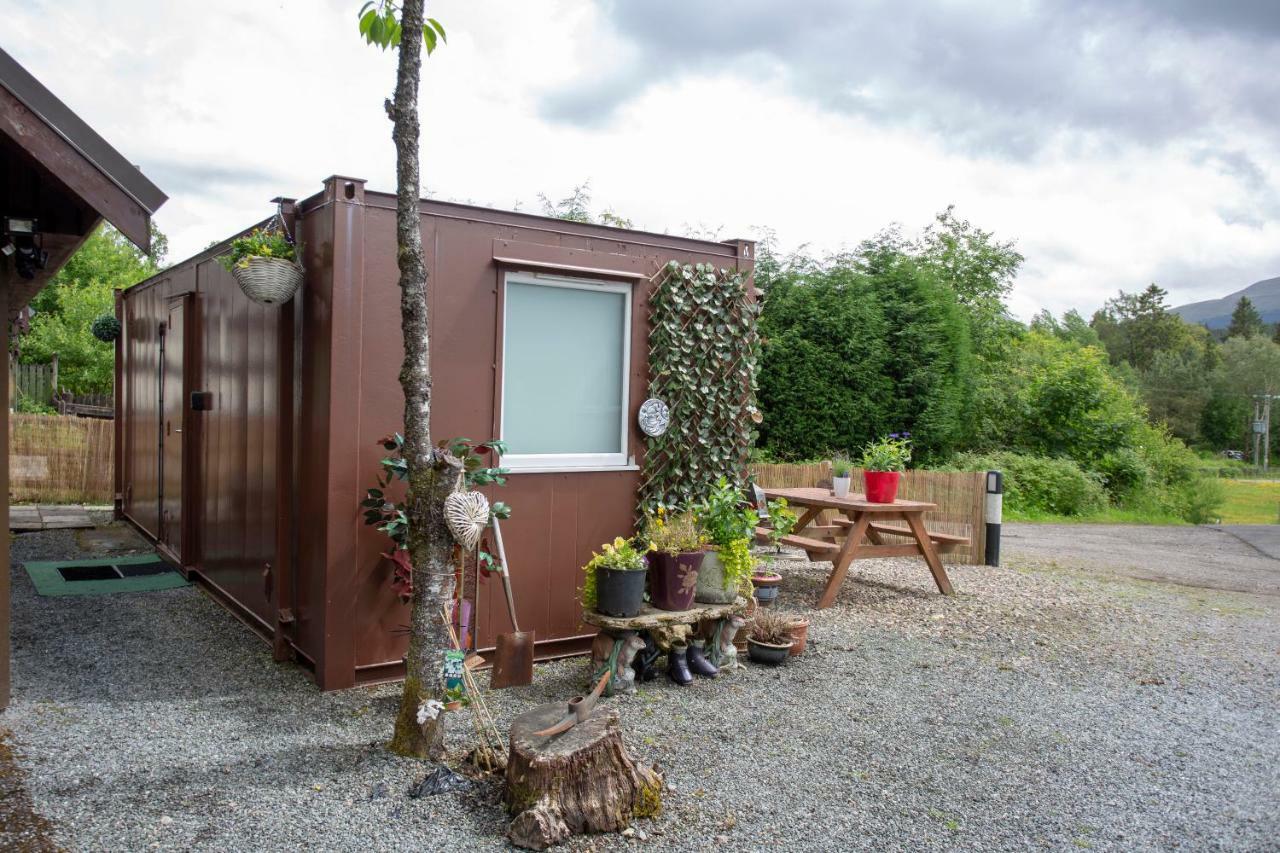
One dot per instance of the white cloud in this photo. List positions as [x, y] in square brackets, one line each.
[227, 104]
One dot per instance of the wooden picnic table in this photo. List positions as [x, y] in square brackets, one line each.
[859, 533]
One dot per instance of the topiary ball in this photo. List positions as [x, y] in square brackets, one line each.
[105, 328]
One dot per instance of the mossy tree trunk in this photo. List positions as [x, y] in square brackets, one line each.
[581, 781]
[432, 473]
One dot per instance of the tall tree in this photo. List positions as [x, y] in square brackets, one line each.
[576, 207]
[1246, 322]
[433, 472]
[978, 266]
[1135, 326]
[1072, 327]
[1251, 366]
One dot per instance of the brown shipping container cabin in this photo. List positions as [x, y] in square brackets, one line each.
[248, 433]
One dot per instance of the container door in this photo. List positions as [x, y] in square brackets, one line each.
[172, 413]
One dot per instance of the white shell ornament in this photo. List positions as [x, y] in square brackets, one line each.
[654, 417]
[467, 515]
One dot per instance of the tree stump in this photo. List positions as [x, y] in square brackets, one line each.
[580, 781]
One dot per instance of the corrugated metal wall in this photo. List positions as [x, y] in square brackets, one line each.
[231, 475]
[558, 518]
[337, 352]
[144, 311]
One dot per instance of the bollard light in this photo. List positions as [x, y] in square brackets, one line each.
[994, 508]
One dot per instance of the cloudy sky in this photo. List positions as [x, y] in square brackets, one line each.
[1119, 142]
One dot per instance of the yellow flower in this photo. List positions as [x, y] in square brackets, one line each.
[266, 250]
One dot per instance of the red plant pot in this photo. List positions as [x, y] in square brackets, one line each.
[881, 486]
[673, 579]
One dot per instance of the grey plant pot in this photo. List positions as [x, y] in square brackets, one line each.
[711, 582]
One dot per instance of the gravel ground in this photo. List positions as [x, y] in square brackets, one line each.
[1232, 558]
[1039, 708]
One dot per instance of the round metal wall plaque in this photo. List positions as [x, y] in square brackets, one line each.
[654, 417]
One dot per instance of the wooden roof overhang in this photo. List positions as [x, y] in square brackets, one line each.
[56, 169]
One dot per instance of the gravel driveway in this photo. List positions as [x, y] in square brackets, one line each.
[1042, 707]
[1238, 558]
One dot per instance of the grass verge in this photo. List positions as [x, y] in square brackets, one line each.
[1251, 502]
[1247, 502]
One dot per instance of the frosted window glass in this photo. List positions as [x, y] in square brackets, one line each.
[562, 369]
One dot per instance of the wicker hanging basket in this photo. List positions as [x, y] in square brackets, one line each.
[268, 281]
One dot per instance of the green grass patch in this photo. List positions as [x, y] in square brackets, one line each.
[1110, 515]
[1251, 502]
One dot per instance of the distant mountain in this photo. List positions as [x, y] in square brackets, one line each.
[1216, 313]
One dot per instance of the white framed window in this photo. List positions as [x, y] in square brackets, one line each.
[566, 355]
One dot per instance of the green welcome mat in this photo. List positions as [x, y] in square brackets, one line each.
[141, 573]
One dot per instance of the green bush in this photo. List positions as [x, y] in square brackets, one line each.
[1200, 502]
[1041, 485]
[1124, 471]
[28, 406]
[857, 346]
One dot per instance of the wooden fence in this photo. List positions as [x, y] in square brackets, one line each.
[35, 381]
[960, 496]
[55, 459]
[85, 405]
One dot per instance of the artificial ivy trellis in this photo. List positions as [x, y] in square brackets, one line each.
[703, 356]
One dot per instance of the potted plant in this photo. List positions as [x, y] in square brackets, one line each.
[265, 265]
[841, 468]
[781, 522]
[676, 551]
[615, 579]
[730, 527]
[883, 462]
[799, 635]
[766, 586]
[769, 638]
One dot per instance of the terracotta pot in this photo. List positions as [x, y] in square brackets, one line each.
[881, 486]
[619, 593]
[799, 637]
[673, 578]
[454, 705]
[767, 652]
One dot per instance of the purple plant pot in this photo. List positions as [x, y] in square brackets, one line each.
[673, 579]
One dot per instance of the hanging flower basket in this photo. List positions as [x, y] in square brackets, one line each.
[269, 281]
[265, 264]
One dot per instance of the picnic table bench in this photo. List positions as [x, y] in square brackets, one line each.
[859, 531]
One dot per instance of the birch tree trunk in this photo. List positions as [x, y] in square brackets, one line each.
[432, 473]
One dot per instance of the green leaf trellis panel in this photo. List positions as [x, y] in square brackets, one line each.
[704, 349]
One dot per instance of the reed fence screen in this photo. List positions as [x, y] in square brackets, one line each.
[960, 496]
[56, 459]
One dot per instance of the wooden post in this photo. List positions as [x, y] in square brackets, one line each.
[1257, 461]
[4, 490]
[1266, 432]
[573, 783]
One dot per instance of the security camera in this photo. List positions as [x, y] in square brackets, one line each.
[28, 258]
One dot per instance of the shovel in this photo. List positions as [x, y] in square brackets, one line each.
[513, 654]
